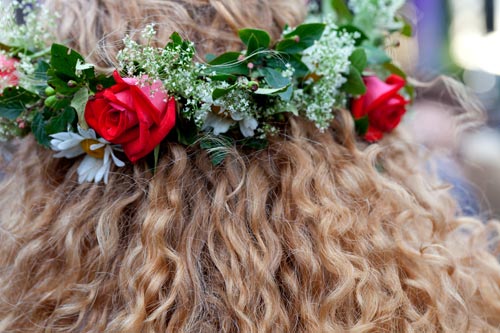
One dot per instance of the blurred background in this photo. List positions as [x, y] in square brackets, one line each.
[459, 39]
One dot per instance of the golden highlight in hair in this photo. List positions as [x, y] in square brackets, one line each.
[315, 233]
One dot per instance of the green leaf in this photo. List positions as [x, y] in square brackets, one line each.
[63, 61]
[254, 39]
[301, 38]
[60, 122]
[354, 31]
[376, 56]
[341, 9]
[156, 157]
[395, 70]
[176, 38]
[254, 143]
[79, 102]
[40, 76]
[361, 125]
[271, 91]
[358, 59]
[226, 58]
[38, 129]
[227, 64]
[407, 29]
[220, 92]
[274, 78]
[210, 57]
[60, 84]
[216, 147]
[15, 100]
[300, 68]
[354, 84]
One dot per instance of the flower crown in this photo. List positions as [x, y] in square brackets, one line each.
[242, 97]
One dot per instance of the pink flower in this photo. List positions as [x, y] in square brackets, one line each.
[8, 73]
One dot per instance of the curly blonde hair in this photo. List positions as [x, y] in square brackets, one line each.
[315, 233]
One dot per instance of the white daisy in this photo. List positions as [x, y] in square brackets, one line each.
[99, 153]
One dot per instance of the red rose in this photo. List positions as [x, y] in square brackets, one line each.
[137, 116]
[383, 105]
[8, 73]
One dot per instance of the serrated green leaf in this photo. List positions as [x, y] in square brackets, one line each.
[358, 59]
[254, 39]
[354, 85]
[60, 122]
[79, 102]
[15, 100]
[38, 129]
[361, 125]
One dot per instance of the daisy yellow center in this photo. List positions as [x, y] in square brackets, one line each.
[98, 153]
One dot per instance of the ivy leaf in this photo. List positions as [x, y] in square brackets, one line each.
[60, 122]
[358, 59]
[301, 38]
[38, 129]
[254, 39]
[354, 84]
[79, 102]
[15, 100]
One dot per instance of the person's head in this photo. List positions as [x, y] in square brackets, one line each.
[317, 232]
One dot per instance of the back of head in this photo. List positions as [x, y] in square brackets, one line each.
[318, 232]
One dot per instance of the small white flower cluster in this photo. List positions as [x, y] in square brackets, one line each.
[328, 58]
[374, 16]
[33, 32]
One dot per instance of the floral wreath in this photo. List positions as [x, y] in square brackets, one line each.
[161, 94]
